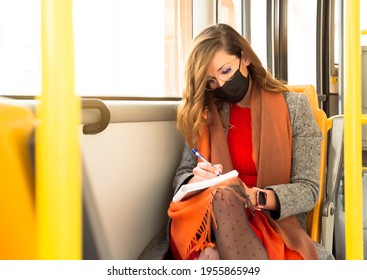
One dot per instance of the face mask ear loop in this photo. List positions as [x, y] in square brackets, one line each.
[241, 56]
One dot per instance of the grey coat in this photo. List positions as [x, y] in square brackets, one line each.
[296, 198]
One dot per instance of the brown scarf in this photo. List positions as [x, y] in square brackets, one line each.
[272, 154]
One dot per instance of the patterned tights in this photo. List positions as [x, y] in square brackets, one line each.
[234, 237]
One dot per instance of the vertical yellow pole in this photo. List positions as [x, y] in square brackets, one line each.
[352, 132]
[58, 179]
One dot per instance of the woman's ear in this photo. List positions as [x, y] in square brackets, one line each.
[245, 60]
[242, 55]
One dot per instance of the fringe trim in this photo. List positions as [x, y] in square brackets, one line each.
[202, 237]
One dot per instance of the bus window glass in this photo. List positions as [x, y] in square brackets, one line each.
[258, 29]
[302, 42]
[230, 12]
[20, 47]
[119, 48]
[337, 25]
[203, 15]
[363, 21]
[122, 48]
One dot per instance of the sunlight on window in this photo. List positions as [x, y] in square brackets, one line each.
[302, 42]
[119, 47]
[363, 20]
[20, 51]
[258, 29]
[230, 12]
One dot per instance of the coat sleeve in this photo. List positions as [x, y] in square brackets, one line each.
[302, 193]
[184, 170]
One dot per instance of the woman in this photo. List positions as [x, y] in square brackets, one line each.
[236, 114]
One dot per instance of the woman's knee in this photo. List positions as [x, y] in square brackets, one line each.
[209, 254]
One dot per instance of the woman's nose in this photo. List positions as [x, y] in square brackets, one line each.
[220, 82]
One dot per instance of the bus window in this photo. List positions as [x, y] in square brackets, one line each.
[302, 42]
[20, 47]
[230, 12]
[363, 22]
[121, 48]
[203, 15]
[209, 12]
[258, 29]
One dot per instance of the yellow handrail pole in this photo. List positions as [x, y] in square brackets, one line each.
[58, 170]
[352, 132]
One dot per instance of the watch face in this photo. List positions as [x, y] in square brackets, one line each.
[261, 198]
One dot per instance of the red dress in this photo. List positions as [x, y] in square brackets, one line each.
[240, 144]
[240, 148]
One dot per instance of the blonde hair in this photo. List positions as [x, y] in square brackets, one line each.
[206, 44]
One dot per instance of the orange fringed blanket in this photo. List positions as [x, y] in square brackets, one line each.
[191, 227]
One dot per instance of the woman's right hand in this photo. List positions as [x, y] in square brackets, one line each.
[204, 171]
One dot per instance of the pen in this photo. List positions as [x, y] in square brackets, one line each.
[196, 152]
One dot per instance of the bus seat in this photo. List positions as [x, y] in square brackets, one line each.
[17, 217]
[314, 216]
[332, 220]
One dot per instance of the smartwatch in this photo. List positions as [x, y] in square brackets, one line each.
[261, 197]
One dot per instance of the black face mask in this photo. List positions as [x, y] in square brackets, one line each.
[234, 90]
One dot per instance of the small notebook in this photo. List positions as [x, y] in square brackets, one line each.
[193, 188]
